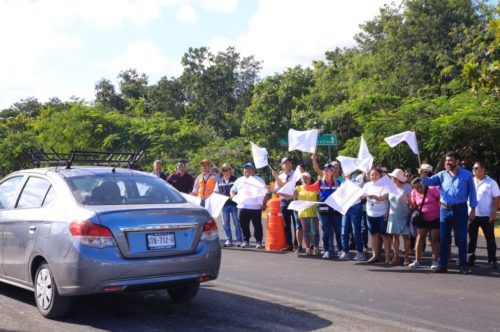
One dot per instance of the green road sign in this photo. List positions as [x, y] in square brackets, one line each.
[323, 140]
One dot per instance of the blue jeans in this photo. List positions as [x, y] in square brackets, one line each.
[352, 219]
[456, 218]
[364, 225]
[289, 219]
[308, 225]
[227, 212]
[331, 222]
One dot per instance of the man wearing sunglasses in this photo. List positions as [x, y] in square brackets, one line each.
[488, 198]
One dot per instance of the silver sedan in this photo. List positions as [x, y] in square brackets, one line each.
[87, 230]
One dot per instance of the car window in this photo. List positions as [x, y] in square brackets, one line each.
[51, 194]
[33, 193]
[122, 189]
[8, 190]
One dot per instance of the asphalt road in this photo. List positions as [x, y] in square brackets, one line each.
[280, 292]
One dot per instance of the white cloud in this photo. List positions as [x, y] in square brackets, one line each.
[219, 44]
[224, 6]
[187, 14]
[146, 58]
[288, 33]
[32, 30]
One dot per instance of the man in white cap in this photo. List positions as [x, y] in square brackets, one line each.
[250, 211]
[288, 216]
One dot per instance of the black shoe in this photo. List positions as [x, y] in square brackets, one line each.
[464, 270]
[440, 269]
[494, 265]
[471, 260]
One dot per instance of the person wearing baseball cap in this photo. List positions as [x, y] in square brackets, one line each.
[331, 220]
[251, 209]
[288, 216]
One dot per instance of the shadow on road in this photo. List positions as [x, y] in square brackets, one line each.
[212, 309]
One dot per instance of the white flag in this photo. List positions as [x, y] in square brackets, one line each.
[192, 199]
[259, 156]
[407, 136]
[289, 187]
[302, 140]
[252, 192]
[382, 186]
[365, 157]
[215, 203]
[349, 165]
[344, 197]
[301, 205]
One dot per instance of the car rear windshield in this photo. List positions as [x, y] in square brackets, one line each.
[122, 189]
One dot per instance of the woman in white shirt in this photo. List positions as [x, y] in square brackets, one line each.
[377, 207]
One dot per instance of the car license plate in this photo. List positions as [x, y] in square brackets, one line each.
[158, 241]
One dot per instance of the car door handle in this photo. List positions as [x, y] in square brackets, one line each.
[32, 229]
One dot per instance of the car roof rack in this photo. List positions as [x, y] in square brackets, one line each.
[96, 158]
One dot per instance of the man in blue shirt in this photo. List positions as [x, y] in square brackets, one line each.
[456, 185]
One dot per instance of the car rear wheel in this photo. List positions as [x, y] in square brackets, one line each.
[183, 293]
[49, 302]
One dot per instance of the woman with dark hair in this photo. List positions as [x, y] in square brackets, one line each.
[429, 221]
[377, 207]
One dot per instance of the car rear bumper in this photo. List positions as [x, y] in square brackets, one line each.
[88, 270]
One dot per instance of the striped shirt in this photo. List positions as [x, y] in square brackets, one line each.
[454, 189]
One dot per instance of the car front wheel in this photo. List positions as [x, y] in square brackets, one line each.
[49, 302]
[183, 293]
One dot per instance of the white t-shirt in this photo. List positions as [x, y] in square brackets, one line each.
[283, 179]
[375, 208]
[486, 191]
[252, 204]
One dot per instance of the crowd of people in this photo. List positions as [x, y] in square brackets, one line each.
[422, 206]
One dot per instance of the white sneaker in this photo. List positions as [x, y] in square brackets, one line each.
[259, 245]
[228, 244]
[344, 256]
[434, 265]
[238, 244]
[414, 265]
[326, 255]
[245, 244]
[360, 256]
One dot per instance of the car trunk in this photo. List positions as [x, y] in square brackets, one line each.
[154, 232]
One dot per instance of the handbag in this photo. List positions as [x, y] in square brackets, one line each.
[416, 217]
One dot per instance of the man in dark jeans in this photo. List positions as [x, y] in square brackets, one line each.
[251, 209]
[288, 216]
[456, 186]
[488, 197]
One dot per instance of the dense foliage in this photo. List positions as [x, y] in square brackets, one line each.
[427, 66]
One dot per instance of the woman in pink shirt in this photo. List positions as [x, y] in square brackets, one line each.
[429, 220]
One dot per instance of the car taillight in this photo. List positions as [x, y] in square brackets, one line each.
[91, 234]
[210, 231]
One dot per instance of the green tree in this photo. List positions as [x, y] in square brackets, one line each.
[218, 88]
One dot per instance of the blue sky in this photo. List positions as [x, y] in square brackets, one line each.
[63, 47]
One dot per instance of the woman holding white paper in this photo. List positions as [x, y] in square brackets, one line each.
[377, 206]
[330, 218]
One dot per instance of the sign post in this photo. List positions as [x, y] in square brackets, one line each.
[328, 140]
